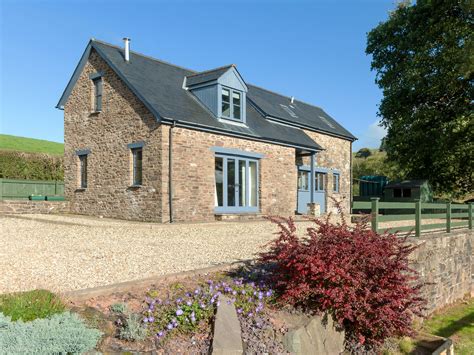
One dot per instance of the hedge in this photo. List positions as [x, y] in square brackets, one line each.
[30, 166]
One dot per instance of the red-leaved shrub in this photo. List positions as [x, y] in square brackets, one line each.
[360, 277]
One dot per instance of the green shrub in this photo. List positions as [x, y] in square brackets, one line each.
[132, 328]
[62, 333]
[30, 166]
[119, 308]
[31, 305]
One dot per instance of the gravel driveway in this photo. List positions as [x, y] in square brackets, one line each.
[63, 253]
[89, 252]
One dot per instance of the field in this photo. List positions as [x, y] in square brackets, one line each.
[30, 145]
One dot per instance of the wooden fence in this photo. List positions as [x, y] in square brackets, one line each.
[22, 189]
[462, 214]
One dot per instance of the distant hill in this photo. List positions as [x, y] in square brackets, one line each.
[30, 145]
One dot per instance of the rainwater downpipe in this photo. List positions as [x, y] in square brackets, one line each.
[170, 170]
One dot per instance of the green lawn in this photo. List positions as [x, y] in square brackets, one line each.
[30, 145]
[455, 322]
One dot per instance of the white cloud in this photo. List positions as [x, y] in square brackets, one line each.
[371, 137]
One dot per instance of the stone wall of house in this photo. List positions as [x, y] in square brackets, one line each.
[336, 155]
[194, 181]
[33, 207]
[445, 261]
[123, 120]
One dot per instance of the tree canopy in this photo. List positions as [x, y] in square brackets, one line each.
[423, 56]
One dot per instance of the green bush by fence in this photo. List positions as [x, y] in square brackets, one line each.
[417, 211]
[22, 189]
[30, 166]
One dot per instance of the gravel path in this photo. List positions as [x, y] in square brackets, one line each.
[94, 252]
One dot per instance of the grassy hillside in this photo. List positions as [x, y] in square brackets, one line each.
[30, 145]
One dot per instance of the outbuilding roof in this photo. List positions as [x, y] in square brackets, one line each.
[406, 184]
[159, 85]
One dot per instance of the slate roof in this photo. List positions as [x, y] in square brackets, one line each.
[206, 76]
[160, 86]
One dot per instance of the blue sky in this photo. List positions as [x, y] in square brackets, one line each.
[313, 50]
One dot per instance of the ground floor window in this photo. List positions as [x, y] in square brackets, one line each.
[335, 178]
[236, 187]
[83, 171]
[319, 179]
[303, 180]
[137, 154]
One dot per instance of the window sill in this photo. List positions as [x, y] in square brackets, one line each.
[80, 189]
[135, 186]
[236, 210]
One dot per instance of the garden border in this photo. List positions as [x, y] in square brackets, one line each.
[87, 293]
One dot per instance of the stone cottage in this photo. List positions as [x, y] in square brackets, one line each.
[152, 141]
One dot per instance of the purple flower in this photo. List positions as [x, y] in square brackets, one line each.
[189, 303]
[203, 305]
[169, 326]
[218, 303]
[234, 292]
[160, 334]
[269, 293]
[243, 292]
[151, 319]
[197, 291]
[145, 320]
[179, 300]
[239, 310]
[250, 314]
[179, 312]
[260, 295]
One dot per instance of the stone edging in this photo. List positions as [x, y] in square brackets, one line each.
[84, 294]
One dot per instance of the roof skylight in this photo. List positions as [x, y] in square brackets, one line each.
[289, 110]
[325, 120]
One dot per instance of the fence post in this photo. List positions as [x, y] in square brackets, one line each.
[375, 213]
[470, 214]
[1, 189]
[417, 217]
[448, 217]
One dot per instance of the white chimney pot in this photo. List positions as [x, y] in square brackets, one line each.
[126, 41]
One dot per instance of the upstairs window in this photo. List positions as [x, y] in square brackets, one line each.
[83, 171]
[231, 104]
[97, 94]
[137, 155]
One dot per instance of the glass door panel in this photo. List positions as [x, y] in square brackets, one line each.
[231, 182]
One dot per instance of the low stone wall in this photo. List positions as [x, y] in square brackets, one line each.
[446, 262]
[30, 207]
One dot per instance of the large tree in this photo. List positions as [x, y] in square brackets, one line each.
[424, 59]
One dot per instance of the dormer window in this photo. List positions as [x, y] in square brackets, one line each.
[222, 91]
[231, 104]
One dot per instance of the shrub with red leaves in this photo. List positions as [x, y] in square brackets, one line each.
[360, 277]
